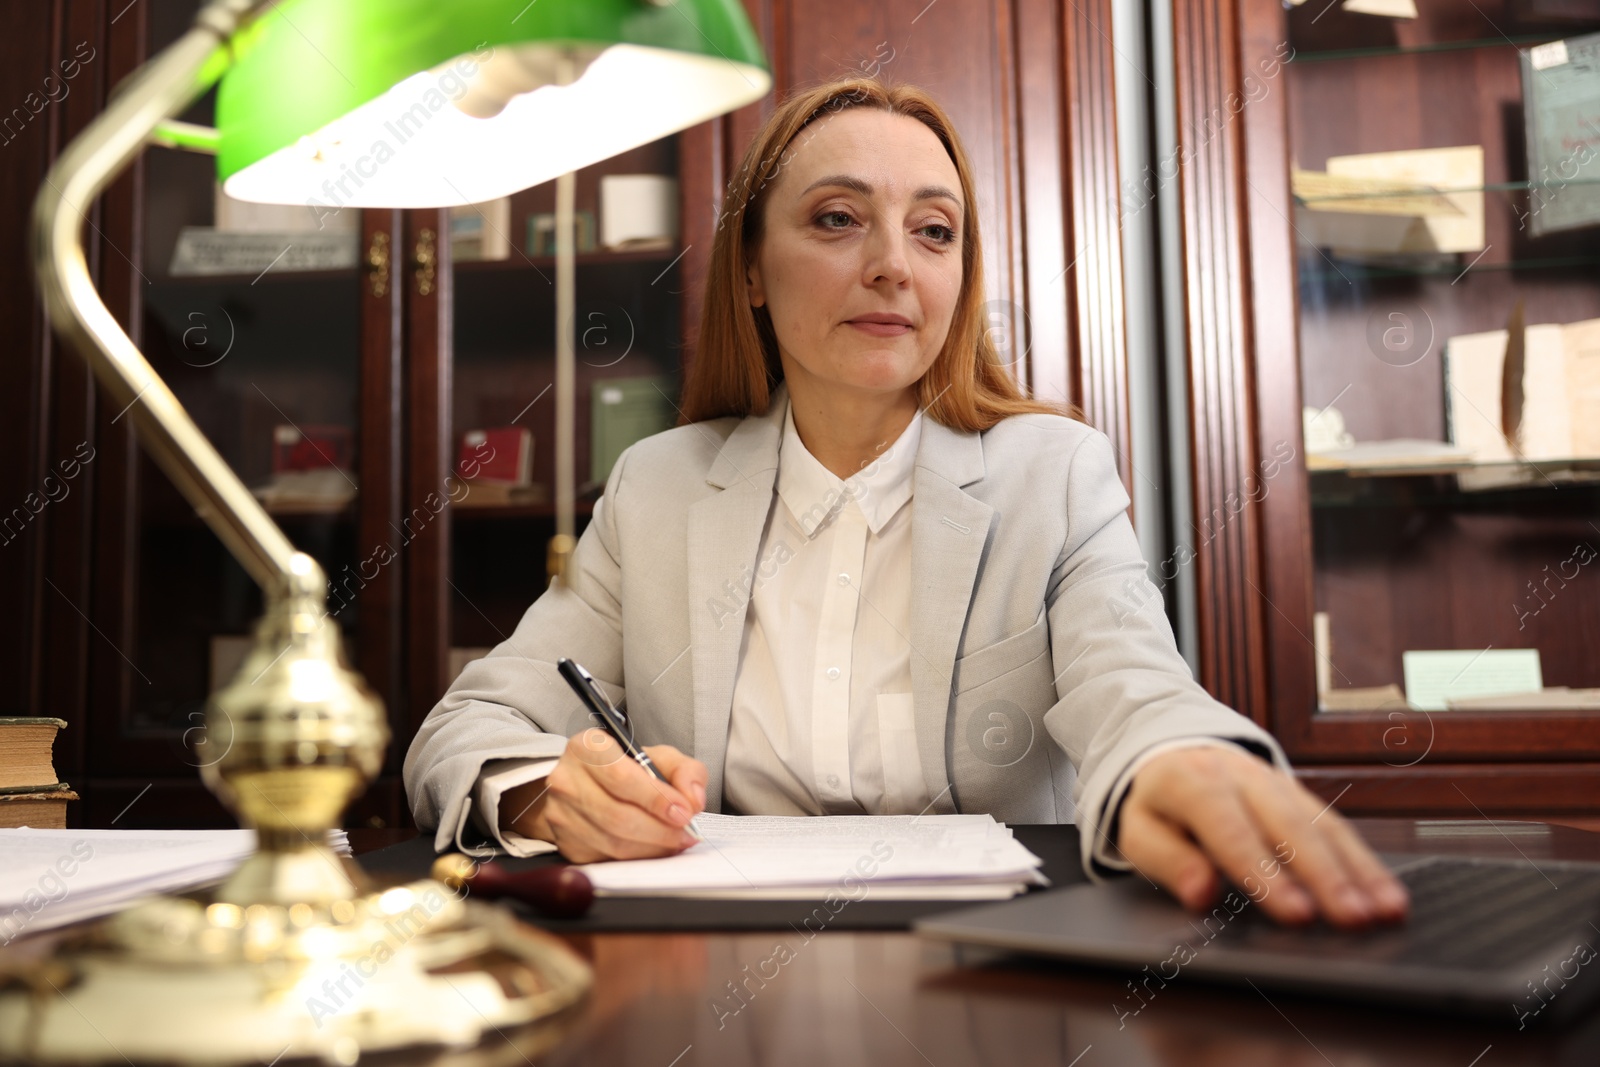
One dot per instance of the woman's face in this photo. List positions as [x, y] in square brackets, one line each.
[863, 219]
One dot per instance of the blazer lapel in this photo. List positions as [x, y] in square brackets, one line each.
[949, 529]
[724, 537]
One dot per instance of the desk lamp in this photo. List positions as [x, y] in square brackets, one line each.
[334, 104]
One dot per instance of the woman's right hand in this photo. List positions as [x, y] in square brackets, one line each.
[597, 804]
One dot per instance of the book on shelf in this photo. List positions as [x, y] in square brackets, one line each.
[27, 743]
[638, 211]
[203, 250]
[1363, 698]
[1393, 9]
[311, 469]
[481, 494]
[311, 447]
[42, 807]
[1550, 698]
[481, 231]
[1561, 112]
[502, 454]
[1398, 456]
[541, 233]
[625, 410]
[1559, 417]
[1426, 200]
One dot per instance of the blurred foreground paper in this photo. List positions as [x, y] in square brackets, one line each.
[50, 878]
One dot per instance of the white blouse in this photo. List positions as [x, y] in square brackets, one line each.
[822, 720]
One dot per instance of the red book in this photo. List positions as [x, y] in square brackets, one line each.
[310, 448]
[501, 454]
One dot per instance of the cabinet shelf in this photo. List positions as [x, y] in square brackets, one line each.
[518, 261]
[1334, 490]
[1554, 185]
[269, 277]
[1527, 40]
[492, 512]
[1346, 270]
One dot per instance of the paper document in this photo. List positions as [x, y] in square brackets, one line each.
[887, 857]
[49, 878]
[1435, 678]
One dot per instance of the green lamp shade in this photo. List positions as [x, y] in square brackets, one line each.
[425, 103]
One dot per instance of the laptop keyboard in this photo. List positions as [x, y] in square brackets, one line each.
[1465, 914]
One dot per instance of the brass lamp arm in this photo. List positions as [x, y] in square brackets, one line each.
[161, 90]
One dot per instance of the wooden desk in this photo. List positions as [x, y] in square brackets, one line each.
[669, 1000]
[887, 999]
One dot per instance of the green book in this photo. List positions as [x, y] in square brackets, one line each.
[1561, 97]
[625, 410]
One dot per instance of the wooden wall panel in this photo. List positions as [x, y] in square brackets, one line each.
[1284, 596]
[430, 460]
[1097, 365]
[380, 457]
[1216, 330]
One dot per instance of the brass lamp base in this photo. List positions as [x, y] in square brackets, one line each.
[180, 980]
[295, 955]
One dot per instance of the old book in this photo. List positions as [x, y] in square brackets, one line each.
[497, 454]
[1550, 698]
[1560, 99]
[25, 751]
[481, 231]
[480, 494]
[1394, 9]
[1398, 456]
[1560, 393]
[1363, 698]
[625, 410]
[1413, 201]
[44, 808]
[202, 250]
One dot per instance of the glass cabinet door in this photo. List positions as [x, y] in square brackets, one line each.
[502, 410]
[252, 315]
[1445, 176]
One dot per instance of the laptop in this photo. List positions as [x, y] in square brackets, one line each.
[1490, 937]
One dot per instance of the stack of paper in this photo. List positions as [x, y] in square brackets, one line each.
[50, 878]
[885, 857]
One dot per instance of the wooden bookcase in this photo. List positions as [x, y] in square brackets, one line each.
[1276, 323]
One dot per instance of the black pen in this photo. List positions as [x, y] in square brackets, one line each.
[613, 722]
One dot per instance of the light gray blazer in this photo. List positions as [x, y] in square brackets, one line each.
[1042, 663]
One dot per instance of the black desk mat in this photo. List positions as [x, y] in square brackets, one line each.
[1057, 846]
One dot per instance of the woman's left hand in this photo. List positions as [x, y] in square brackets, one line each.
[1194, 817]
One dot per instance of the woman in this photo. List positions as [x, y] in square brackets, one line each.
[865, 574]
